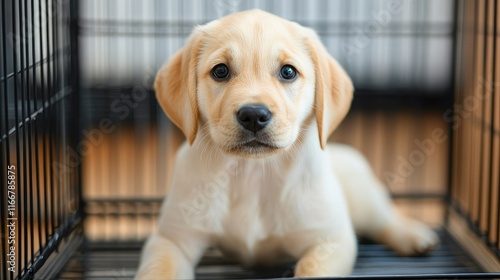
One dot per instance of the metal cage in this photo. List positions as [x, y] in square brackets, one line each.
[85, 165]
[41, 206]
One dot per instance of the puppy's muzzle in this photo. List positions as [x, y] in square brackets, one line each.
[254, 117]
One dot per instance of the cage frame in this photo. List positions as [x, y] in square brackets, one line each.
[69, 235]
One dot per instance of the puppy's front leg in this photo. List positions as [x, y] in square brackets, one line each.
[163, 259]
[329, 257]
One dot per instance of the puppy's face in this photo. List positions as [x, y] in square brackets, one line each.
[255, 84]
[251, 81]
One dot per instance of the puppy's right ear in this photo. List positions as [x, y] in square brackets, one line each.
[176, 87]
[333, 88]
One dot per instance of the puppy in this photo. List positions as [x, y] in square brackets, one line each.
[257, 97]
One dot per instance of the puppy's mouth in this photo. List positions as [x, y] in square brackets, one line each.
[254, 147]
[257, 144]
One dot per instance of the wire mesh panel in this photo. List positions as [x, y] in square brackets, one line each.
[119, 261]
[40, 195]
[476, 123]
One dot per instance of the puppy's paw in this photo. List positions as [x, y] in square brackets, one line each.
[161, 268]
[421, 240]
[409, 237]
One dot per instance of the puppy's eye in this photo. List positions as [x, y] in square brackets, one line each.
[220, 72]
[288, 73]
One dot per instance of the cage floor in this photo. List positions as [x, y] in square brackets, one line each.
[117, 260]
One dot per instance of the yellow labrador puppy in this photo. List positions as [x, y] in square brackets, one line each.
[257, 97]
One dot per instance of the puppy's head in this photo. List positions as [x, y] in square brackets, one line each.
[253, 81]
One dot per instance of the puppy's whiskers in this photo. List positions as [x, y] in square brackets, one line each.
[204, 131]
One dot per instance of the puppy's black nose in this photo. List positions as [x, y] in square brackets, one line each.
[254, 117]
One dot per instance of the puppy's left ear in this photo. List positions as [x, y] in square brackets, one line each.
[333, 88]
[176, 87]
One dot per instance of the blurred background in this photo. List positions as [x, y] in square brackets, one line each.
[94, 151]
[404, 46]
[398, 53]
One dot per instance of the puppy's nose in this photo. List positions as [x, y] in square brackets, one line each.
[254, 117]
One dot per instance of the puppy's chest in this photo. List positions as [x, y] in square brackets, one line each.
[253, 223]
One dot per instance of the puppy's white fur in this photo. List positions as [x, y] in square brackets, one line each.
[302, 199]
